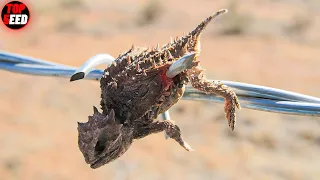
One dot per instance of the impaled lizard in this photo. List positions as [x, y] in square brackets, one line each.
[136, 88]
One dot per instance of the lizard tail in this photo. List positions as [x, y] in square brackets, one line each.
[198, 30]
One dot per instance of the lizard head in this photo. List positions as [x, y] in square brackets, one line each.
[102, 139]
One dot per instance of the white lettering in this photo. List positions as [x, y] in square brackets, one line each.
[12, 16]
[24, 19]
[18, 19]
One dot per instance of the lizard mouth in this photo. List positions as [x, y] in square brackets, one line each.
[108, 152]
[103, 160]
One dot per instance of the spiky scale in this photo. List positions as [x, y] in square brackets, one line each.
[138, 67]
[170, 55]
[129, 60]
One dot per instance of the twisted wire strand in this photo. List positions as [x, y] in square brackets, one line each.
[251, 96]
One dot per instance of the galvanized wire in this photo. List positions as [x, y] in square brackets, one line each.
[251, 96]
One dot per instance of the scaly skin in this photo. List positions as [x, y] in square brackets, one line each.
[135, 90]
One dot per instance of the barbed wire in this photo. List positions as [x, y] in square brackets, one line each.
[251, 96]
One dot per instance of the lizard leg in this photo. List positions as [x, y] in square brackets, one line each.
[199, 81]
[172, 130]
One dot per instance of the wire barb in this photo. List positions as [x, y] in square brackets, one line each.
[88, 66]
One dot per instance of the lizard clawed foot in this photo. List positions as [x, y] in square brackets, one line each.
[173, 131]
[231, 103]
[199, 82]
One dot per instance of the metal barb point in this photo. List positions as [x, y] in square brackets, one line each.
[88, 66]
[77, 76]
[180, 65]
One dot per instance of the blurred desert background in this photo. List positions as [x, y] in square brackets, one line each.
[273, 43]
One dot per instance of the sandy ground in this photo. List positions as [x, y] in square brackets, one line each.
[272, 43]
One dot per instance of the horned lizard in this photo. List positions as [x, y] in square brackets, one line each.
[135, 90]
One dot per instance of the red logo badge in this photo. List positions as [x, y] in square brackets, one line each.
[15, 15]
